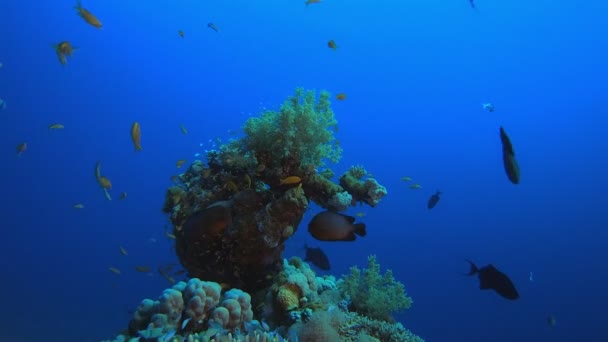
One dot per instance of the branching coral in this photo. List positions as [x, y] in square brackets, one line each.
[302, 129]
[372, 294]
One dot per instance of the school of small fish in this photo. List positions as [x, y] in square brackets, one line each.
[324, 226]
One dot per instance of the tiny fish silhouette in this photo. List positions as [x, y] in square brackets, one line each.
[433, 200]
[317, 257]
[508, 158]
[492, 278]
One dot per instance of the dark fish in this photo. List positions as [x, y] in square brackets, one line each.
[508, 158]
[317, 257]
[472, 2]
[210, 221]
[491, 278]
[433, 200]
[331, 226]
[213, 27]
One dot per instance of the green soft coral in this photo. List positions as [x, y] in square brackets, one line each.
[303, 130]
[374, 295]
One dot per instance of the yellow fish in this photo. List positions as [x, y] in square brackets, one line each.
[136, 136]
[114, 270]
[415, 186]
[87, 16]
[360, 214]
[56, 126]
[79, 206]
[180, 162]
[290, 180]
[406, 179]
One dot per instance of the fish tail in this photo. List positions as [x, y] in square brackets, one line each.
[360, 229]
[474, 268]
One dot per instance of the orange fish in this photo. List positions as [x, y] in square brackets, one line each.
[181, 33]
[104, 182]
[290, 180]
[63, 50]
[136, 136]
[87, 16]
[332, 45]
[341, 96]
[21, 148]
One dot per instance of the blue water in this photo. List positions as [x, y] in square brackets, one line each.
[415, 73]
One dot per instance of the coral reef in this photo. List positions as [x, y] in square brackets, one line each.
[373, 294]
[198, 311]
[232, 215]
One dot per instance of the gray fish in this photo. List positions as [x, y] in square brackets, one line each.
[317, 257]
[2, 104]
[331, 226]
[491, 278]
[508, 158]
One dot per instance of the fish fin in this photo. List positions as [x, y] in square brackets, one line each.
[360, 229]
[474, 268]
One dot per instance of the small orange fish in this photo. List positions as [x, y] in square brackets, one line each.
[21, 148]
[181, 33]
[105, 182]
[63, 50]
[136, 136]
[180, 163]
[87, 16]
[290, 180]
[332, 45]
[341, 96]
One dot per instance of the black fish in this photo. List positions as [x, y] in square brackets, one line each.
[508, 158]
[330, 226]
[491, 278]
[317, 257]
[433, 200]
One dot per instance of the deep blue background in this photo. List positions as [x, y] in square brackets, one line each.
[415, 72]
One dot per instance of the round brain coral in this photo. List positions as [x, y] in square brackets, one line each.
[288, 297]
